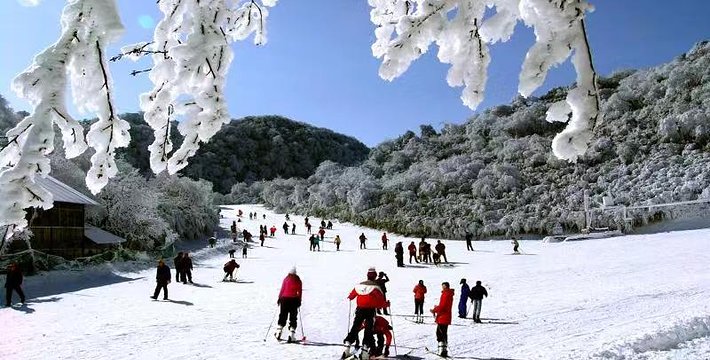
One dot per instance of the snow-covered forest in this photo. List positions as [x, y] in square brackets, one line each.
[495, 173]
[149, 213]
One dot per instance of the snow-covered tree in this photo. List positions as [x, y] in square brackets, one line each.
[191, 56]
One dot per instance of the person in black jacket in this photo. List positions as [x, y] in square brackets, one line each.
[187, 268]
[177, 265]
[13, 282]
[382, 280]
[162, 278]
[477, 293]
[399, 254]
[469, 238]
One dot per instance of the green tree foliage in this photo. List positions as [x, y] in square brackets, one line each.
[252, 149]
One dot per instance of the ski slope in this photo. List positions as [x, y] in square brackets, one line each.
[631, 297]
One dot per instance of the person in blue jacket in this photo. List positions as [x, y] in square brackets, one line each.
[463, 299]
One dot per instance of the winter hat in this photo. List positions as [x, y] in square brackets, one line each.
[371, 273]
[462, 281]
[292, 271]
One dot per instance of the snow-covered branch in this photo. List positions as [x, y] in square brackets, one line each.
[405, 29]
[87, 26]
[191, 57]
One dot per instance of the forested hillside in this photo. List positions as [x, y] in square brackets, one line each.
[253, 148]
[496, 174]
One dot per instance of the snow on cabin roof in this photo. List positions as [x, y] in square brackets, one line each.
[62, 192]
[101, 236]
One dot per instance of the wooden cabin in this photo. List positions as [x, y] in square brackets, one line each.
[62, 230]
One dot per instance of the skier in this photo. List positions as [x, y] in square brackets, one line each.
[422, 251]
[231, 253]
[329, 226]
[469, 238]
[382, 280]
[337, 242]
[187, 268]
[316, 242]
[212, 241]
[369, 298]
[399, 254]
[264, 215]
[465, 290]
[322, 224]
[443, 318]
[229, 268]
[412, 252]
[312, 241]
[262, 238]
[428, 252]
[293, 229]
[308, 227]
[177, 264]
[321, 232]
[384, 241]
[287, 218]
[515, 245]
[273, 230]
[289, 302]
[419, 291]
[162, 279]
[250, 217]
[441, 250]
[244, 250]
[477, 293]
[13, 282]
[239, 213]
[362, 241]
[234, 230]
[384, 336]
[285, 227]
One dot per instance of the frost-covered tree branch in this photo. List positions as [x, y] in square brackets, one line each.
[87, 26]
[406, 28]
[191, 57]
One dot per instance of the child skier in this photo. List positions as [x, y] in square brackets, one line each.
[369, 298]
[382, 331]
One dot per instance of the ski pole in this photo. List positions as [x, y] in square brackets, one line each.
[394, 339]
[350, 309]
[270, 325]
[303, 339]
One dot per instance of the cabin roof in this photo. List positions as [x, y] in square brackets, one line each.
[63, 192]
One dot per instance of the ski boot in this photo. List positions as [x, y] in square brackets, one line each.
[348, 352]
[277, 334]
[443, 352]
[364, 353]
[292, 335]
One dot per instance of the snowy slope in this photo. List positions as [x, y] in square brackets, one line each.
[633, 297]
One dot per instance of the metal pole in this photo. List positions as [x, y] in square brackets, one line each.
[270, 325]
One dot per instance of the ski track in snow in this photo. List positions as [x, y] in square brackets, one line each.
[632, 297]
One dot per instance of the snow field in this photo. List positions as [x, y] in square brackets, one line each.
[633, 297]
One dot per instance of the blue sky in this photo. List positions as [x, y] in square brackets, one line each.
[318, 68]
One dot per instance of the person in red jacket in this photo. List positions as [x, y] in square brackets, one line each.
[384, 336]
[412, 252]
[273, 230]
[443, 317]
[289, 301]
[419, 292]
[369, 298]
